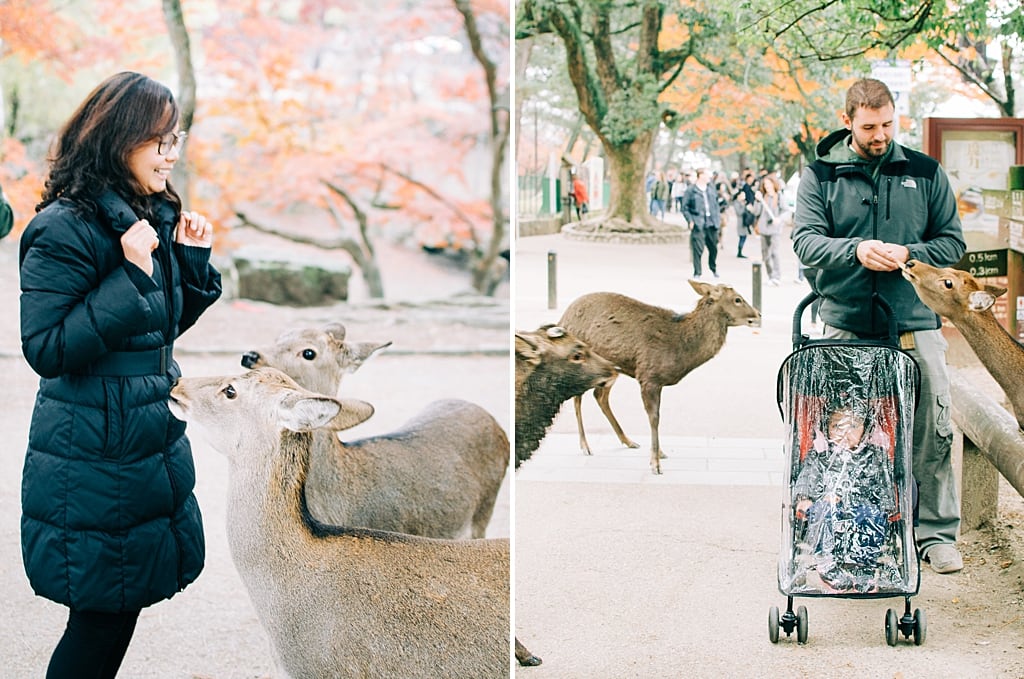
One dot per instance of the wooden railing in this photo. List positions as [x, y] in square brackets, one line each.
[992, 443]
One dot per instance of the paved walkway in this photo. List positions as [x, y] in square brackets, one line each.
[621, 573]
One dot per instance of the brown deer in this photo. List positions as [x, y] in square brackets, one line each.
[552, 366]
[317, 358]
[959, 296]
[656, 346]
[338, 601]
[437, 476]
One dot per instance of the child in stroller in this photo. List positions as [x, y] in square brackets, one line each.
[844, 498]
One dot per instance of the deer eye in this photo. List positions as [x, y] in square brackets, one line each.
[308, 354]
[948, 283]
[229, 391]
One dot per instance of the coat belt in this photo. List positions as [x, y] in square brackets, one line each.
[131, 363]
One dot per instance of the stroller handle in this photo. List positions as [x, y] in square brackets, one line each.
[799, 338]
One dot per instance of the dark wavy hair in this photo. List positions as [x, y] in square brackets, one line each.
[91, 151]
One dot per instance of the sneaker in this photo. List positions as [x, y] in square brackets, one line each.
[774, 282]
[715, 274]
[944, 558]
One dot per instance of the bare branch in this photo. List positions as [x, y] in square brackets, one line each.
[439, 198]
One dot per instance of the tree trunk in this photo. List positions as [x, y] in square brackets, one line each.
[186, 96]
[522, 48]
[628, 211]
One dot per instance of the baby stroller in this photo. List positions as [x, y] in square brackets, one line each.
[847, 513]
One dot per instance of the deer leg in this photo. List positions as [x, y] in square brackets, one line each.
[651, 395]
[577, 402]
[602, 394]
[525, 658]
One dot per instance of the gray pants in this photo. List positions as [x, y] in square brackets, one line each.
[770, 255]
[939, 505]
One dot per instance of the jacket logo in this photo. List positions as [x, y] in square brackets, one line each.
[909, 183]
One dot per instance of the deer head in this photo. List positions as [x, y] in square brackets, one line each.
[950, 292]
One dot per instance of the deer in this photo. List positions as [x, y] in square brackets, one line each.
[340, 601]
[438, 475]
[958, 296]
[552, 366]
[658, 347]
[315, 357]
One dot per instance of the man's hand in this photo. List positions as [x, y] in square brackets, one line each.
[879, 256]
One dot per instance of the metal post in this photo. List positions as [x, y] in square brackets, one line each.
[755, 284]
[552, 261]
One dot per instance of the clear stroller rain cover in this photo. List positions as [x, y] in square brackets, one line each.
[848, 507]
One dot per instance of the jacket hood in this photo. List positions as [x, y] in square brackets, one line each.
[835, 149]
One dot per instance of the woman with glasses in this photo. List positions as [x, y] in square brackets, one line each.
[112, 272]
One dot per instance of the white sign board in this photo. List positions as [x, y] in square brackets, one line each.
[896, 74]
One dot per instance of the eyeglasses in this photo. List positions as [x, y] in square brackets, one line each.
[171, 141]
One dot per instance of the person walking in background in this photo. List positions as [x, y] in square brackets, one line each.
[579, 196]
[652, 177]
[678, 191]
[700, 207]
[769, 227]
[745, 211]
[112, 272]
[6, 215]
[864, 207]
[659, 195]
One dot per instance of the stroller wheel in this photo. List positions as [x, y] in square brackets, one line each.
[892, 627]
[773, 624]
[920, 626]
[801, 625]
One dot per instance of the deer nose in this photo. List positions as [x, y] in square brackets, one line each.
[250, 359]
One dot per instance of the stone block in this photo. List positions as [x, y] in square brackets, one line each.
[290, 280]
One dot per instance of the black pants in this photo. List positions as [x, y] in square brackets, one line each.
[93, 645]
[699, 239]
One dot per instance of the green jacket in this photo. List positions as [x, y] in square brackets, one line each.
[839, 203]
[6, 216]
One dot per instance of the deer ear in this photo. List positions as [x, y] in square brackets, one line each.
[306, 413]
[699, 287]
[996, 292]
[527, 349]
[360, 351]
[352, 412]
[981, 300]
[335, 330]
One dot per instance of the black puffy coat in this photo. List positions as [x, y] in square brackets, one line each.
[109, 521]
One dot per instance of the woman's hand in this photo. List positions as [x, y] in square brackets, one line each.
[194, 230]
[138, 243]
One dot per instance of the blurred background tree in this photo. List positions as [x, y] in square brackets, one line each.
[671, 85]
[368, 121]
